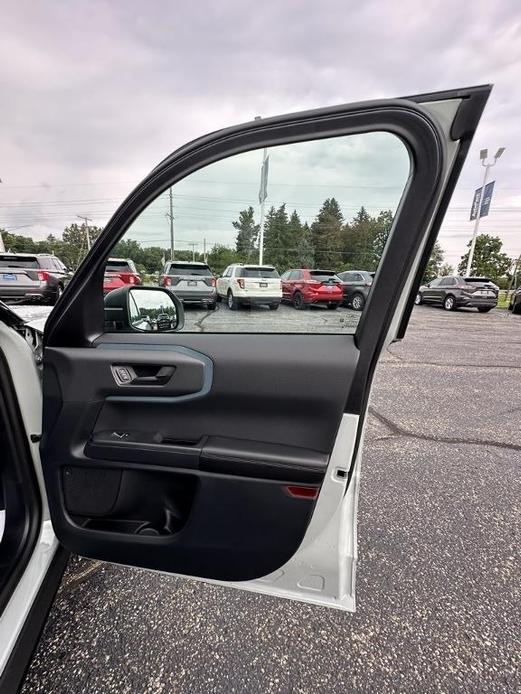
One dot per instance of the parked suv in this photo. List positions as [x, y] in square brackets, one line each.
[32, 277]
[304, 288]
[191, 282]
[454, 291]
[249, 285]
[356, 285]
[118, 272]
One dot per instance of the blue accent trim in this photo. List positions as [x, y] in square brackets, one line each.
[208, 373]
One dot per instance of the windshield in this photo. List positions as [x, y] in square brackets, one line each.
[15, 261]
[477, 280]
[177, 270]
[259, 272]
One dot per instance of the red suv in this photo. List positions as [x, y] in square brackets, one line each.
[306, 287]
[118, 272]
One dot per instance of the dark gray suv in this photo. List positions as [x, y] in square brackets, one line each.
[356, 285]
[454, 291]
[32, 277]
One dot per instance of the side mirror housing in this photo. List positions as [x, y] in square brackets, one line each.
[143, 309]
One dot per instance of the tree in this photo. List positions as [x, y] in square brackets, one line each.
[489, 260]
[220, 257]
[327, 233]
[247, 234]
[365, 238]
[304, 255]
[276, 238]
[446, 269]
[434, 265]
[75, 243]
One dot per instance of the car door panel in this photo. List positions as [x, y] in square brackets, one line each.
[129, 459]
[220, 480]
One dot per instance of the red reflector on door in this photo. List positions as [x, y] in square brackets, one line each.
[303, 492]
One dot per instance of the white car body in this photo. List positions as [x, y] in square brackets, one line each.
[250, 285]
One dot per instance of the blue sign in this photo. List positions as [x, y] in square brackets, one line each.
[486, 199]
[475, 204]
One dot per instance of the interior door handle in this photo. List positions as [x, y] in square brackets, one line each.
[129, 375]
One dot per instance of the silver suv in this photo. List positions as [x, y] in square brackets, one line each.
[191, 282]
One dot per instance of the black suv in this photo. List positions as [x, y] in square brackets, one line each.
[356, 284]
[31, 277]
[454, 291]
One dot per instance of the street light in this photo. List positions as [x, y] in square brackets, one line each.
[483, 155]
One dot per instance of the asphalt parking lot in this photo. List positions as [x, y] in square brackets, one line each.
[438, 589]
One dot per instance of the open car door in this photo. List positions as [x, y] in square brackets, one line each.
[234, 455]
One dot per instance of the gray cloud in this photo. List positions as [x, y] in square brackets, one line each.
[96, 93]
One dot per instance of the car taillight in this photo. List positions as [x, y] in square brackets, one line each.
[166, 281]
[214, 282]
[131, 279]
[240, 282]
[43, 276]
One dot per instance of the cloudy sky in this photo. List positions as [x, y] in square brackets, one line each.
[94, 94]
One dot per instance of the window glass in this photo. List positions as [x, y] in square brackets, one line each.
[197, 270]
[18, 261]
[324, 207]
[118, 266]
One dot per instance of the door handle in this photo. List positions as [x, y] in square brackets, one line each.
[128, 375]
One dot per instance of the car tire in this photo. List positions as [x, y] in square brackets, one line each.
[418, 299]
[332, 307]
[298, 301]
[219, 298]
[212, 306]
[274, 307]
[449, 303]
[516, 307]
[231, 301]
[358, 302]
[54, 300]
[482, 309]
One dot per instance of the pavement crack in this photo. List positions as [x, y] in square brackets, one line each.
[399, 431]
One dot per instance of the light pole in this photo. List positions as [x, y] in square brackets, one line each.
[263, 192]
[483, 155]
[86, 221]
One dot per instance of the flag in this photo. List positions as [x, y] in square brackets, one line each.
[263, 190]
[475, 204]
[486, 199]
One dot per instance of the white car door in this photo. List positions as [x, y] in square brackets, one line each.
[243, 467]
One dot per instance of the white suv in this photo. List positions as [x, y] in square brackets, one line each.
[250, 285]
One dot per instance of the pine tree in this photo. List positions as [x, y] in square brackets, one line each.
[327, 235]
[276, 234]
[247, 234]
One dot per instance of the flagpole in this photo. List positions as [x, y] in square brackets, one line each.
[263, 202]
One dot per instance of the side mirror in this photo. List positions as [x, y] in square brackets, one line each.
[143, 309]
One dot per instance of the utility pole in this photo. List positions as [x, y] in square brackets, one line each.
[483, 155]
[263, 194]
[170, 215]
[193, 250]
[86, 221]
[204, 250]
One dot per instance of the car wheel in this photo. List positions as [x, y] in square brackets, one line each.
[483, 309]
[516, 307]
[298, 301]
[211, 307]
[219, 298]
[231, 302]
[418, 299]
[357, 302]
[448, 303]
[274, 307]
[332, 307]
